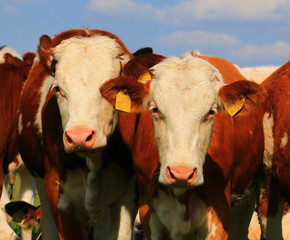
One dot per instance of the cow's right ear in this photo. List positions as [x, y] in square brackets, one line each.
[45, 53]
[241, 97]
[126, 94]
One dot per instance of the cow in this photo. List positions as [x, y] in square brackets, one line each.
[260, 73]
[14, 69]
[203, 151]
[275, 189]
[69, 139]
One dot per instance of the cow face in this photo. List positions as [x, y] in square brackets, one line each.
[183, 102]
[81, 65]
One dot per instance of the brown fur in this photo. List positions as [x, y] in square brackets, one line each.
[12, 77]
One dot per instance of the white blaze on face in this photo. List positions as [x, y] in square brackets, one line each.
[184, 91]
[83, 65]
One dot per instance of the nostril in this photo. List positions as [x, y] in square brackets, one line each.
[192, 174]
[90, 137]
[69, 140]
[170, 173]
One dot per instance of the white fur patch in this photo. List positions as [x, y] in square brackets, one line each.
[20, 124]
[11, 51]
[268, 123]
[260, 73]
[171, 214]
[284, 140]
[43, 91]
[243, 72]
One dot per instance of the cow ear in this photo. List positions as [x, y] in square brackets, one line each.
[241, 97]
[45, 53]
[28, 60]
[126, 94]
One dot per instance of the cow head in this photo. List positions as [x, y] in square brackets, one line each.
[184, 98]
[79, 65]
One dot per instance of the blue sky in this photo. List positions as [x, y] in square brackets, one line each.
[248, 32]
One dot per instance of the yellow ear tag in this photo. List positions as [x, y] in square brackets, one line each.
[123, 101]
[234, 108]
[144, 77]
[19, 216]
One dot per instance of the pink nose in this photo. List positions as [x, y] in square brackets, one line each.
[181, 175]
[80, 139]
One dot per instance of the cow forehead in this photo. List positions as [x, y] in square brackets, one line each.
[86, 61]
[86, 46]
[183, 81]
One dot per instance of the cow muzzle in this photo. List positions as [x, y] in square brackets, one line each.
[181, 176]
[80, 139]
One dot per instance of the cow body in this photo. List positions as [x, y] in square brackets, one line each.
[183, 198]
[12, 79]
[14, 70]
[75, 152]
[275, 188]
[259, 74]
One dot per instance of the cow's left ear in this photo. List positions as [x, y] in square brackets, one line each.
[126, 94]
[241, 96]
[45, 51]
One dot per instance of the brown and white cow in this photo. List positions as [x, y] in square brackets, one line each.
[208, 160]
[69, 139]
[275, 188]
[14, 70]
[260, 73]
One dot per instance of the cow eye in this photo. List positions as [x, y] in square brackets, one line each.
[212, 111]
[57, 89]
[154, 109]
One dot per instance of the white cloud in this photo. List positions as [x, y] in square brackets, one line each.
[120, 7]
[196, 9]
[265, 52]
[197, 39]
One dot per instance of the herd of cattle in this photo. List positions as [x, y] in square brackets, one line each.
[189, 147]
